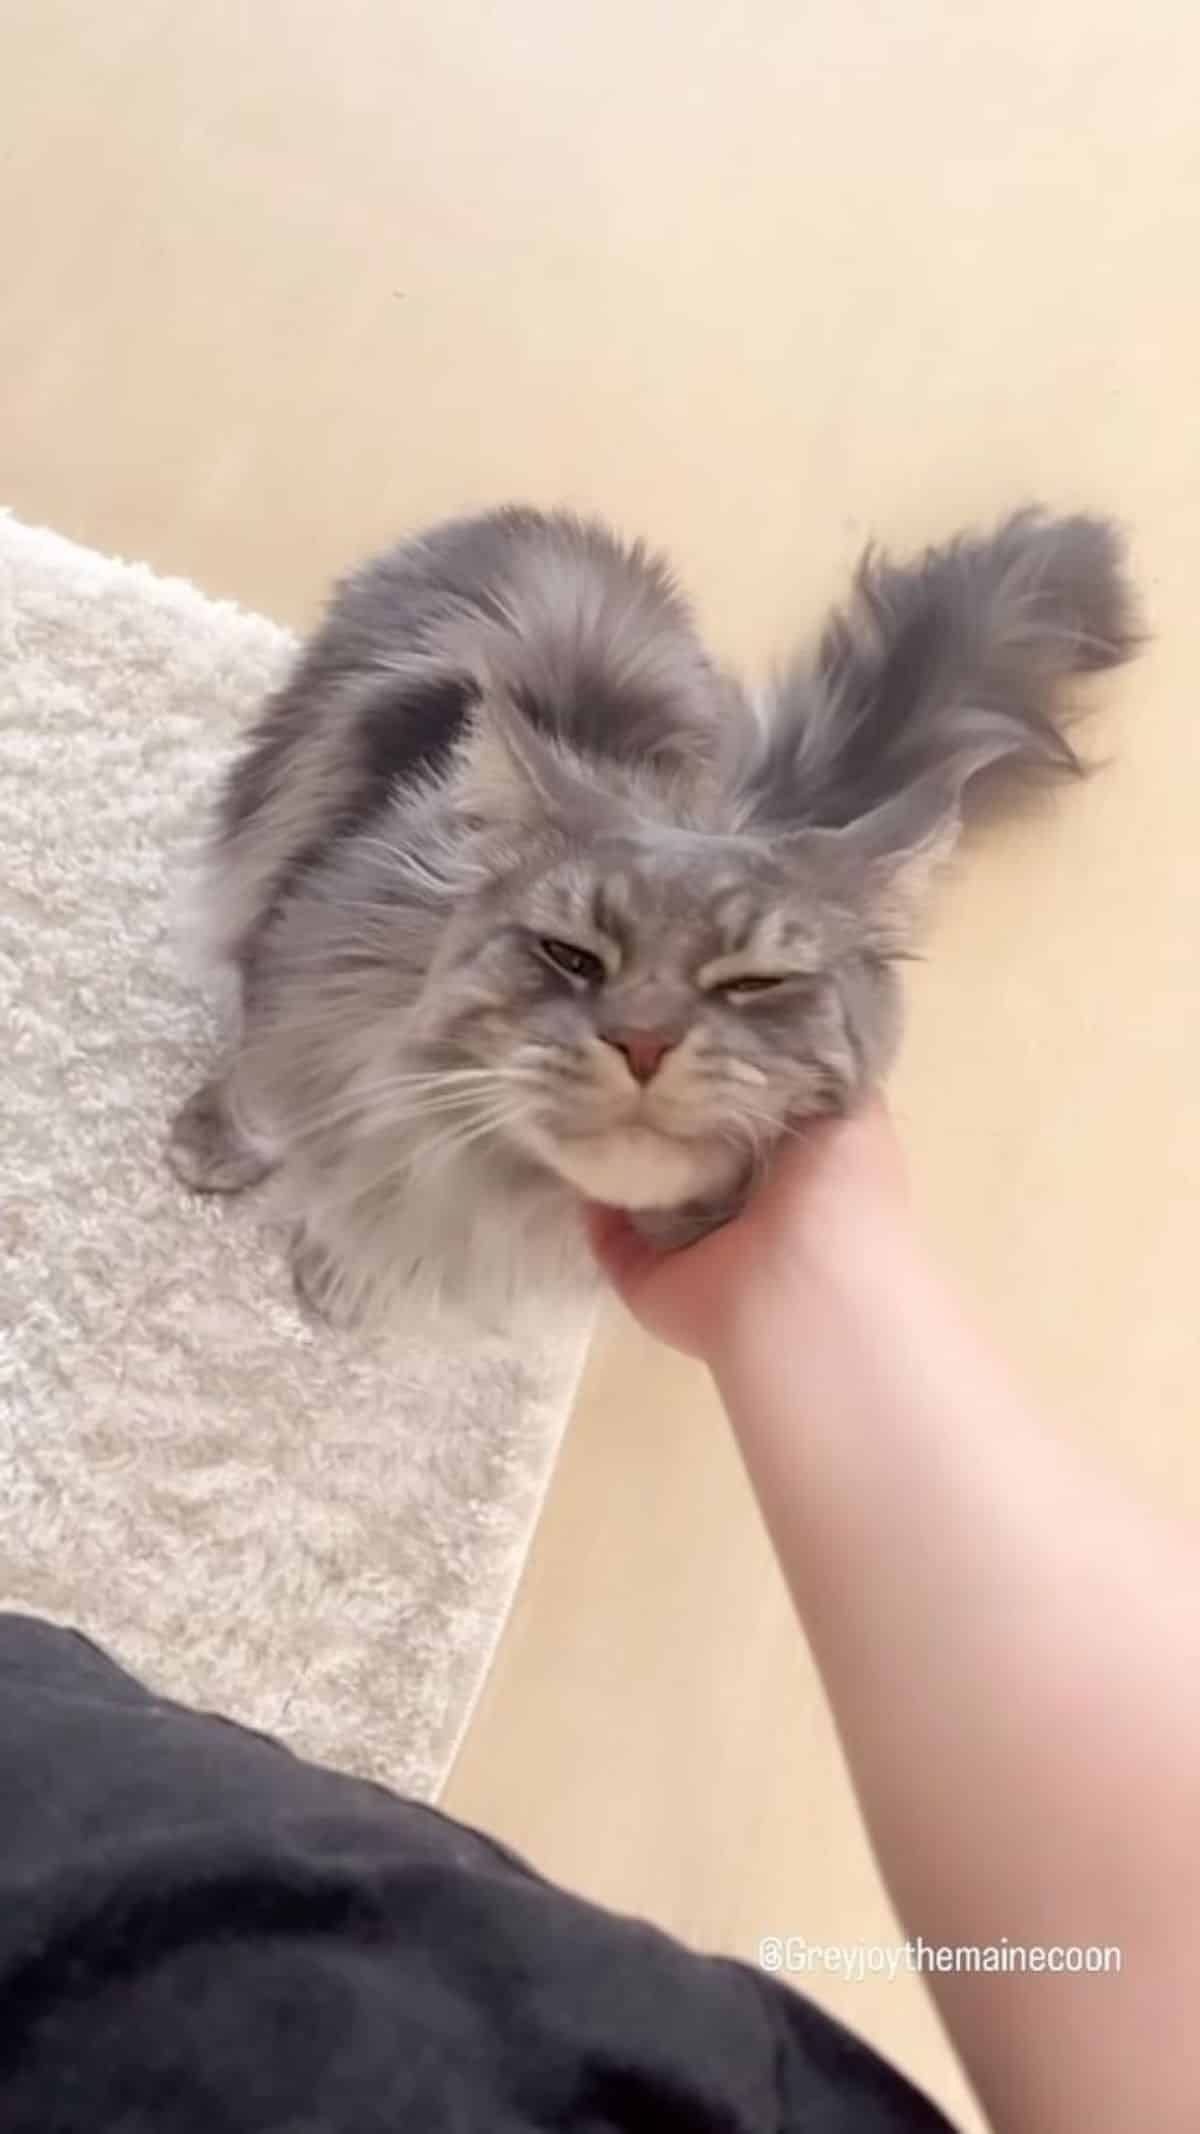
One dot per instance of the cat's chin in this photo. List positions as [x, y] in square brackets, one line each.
[636, 1168]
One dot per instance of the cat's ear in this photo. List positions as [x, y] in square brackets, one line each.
[956, 664]
[897, 853]
[496, 782]
[519, 769]
[884, 866]
[512, 776]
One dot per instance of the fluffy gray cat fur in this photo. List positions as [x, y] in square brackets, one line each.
[528, 901]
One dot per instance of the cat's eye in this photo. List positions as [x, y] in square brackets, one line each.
[743, 988]
[573, 962]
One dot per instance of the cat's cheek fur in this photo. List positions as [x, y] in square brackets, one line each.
[634, 1167]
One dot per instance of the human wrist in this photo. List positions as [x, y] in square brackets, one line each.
[833, 1276]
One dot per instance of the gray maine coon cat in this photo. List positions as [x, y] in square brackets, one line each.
[528, 900]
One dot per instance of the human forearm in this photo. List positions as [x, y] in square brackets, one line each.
[1011, 1652]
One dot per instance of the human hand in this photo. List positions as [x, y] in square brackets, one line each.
[833, 1190]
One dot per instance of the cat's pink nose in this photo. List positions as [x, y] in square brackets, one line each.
[644, 1050]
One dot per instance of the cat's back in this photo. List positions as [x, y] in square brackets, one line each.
[514, 569]
[582, 627]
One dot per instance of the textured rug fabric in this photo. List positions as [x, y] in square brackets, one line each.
[317, 1536]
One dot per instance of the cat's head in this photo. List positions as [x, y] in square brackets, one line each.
[677, 938]
[656, 1003]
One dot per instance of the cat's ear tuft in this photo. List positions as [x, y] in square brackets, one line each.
[511, 775]
[884, 866]
[957, 664]
[899, 851]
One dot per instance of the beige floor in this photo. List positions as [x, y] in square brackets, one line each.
[281, 279]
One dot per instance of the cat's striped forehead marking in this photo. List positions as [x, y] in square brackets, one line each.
[570, 898]
[716, 926]
[756, 932]
[642, 913]
[611, 910]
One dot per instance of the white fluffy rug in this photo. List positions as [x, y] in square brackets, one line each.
[316, 1537]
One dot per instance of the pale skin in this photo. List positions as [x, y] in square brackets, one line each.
[1010, 1645]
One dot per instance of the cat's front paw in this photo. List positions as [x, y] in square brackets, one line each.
[205, 1149]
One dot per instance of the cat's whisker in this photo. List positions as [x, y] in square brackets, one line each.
[375, 1115]
[437, 1079]
[785, 1128]
[451, 1147]
[353, 1193]
[452, 1143]
[417, 1096]
[353, 1104]
[370, 1124]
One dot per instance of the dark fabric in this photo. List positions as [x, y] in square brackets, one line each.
[200, 1934]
